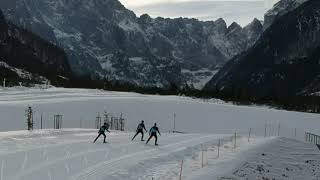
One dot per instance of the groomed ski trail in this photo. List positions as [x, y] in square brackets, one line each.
[100, 170]
[53, 158]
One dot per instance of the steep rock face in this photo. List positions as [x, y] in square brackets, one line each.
[280, 9]
[23, 52]
[105, 40]
[284, 62]
[253, 30]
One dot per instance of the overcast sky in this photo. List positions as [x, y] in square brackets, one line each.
[240, 11]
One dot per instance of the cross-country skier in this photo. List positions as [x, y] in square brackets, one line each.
[103, 128]
[140, 129]
[153, 133]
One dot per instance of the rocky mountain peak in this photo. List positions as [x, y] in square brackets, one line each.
[104, 39]
[234, 27]
[145, 19]
[255, 22]
[283, 63]
[279, 9]
[254, 29]
[221, 23]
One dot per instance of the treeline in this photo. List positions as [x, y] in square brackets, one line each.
[301, 103]
[241, 97]
[105, 84]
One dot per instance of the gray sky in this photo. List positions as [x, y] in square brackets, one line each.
[240, 11]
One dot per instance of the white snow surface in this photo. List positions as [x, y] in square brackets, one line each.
[278, 158]
[70, 154]
[192, 115]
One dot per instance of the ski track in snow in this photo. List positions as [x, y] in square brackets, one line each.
[98, 170]
[55, 158]
[69, 153]
[97, 150]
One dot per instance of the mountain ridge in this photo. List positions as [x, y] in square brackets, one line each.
[283, 63]
[103, 39]
[27, 58]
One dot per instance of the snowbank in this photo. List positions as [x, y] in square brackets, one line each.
[281, 159]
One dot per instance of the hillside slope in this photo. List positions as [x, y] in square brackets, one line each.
[103, 39]
[27, 58]
[284, 62]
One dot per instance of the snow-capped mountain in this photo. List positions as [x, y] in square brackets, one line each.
[105, 40]
[27, 58]
[284, 62]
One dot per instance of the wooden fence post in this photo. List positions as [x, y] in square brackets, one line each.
[235, 140]
[2, 169]
[202, 159]
[181, 170]
[41, 121]
[174, 123]
[29, 115]
[309, 136]
[111, 123]
[312, 138]
[219, 148]
[305, 136]
[98, 121]
[57, 121]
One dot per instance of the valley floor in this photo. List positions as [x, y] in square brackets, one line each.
[70, 154]
[80, 107]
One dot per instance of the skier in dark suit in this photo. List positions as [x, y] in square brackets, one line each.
[102, 130]
[140, 129]
[153, 133]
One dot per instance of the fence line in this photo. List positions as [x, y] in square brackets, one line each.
[312, 138]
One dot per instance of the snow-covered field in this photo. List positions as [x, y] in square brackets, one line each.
[70, 154]
[192, 115]
[278, 158]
